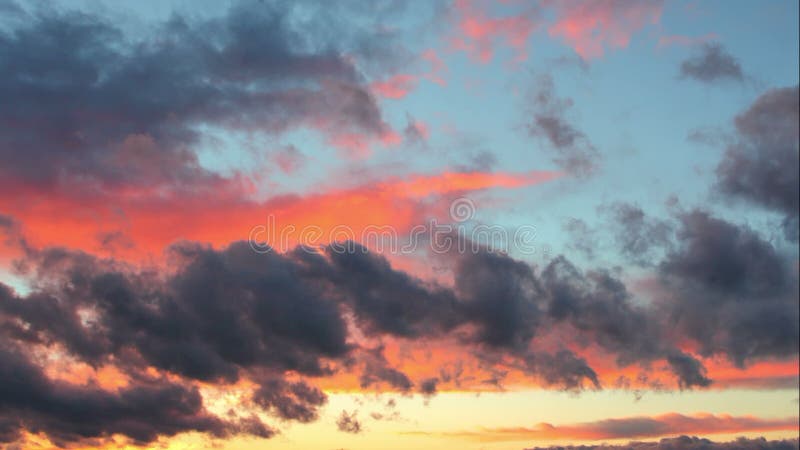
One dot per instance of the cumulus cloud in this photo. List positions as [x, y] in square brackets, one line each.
[219, 316]
[68, 413]
[262, 66]
[761, 167]
[732, 291]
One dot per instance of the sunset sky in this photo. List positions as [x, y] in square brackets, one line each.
[385, 224]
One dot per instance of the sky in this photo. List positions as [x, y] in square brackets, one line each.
[399, 224]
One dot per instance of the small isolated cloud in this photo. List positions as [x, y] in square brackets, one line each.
[348, 422]
[711, 64]
[548, 119]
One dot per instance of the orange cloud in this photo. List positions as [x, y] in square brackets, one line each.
[132, 224]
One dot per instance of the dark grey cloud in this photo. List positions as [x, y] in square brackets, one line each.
[85, 102]
[428, 386]
[712, 64]
[376, 369]
[290, 400]
[386, 300]
[687, 443]
[574, 152]
[761, 167]
[563, 368]
[722, 284]
[690, 371]
[731, 291]
[68, 413]
[500, 295]
[221, 315]
[598, 306]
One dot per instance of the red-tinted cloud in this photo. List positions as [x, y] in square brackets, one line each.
[224, 212]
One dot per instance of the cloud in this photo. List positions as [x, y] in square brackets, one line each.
[499, 295]
[248, 70]
[479, 31]
[68, 413]
[638, 237]
[376, 369]
[291, 401]
[563, 369]
[634, 427]
[348, 422]
[732, 291]
[151, 220]
[688, 443]
[428, 386]
[712, 64]
[415, 132]
[590, 27]
[396, 87]
[221, 316]
[573, 150]
[761, 166]
[581, 237]
[598, 306]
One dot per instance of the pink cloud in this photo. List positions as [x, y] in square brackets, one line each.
[479, 33]
[396, 87]
[359, 146]
[354, 145]
[590, 27]
[399, 85]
